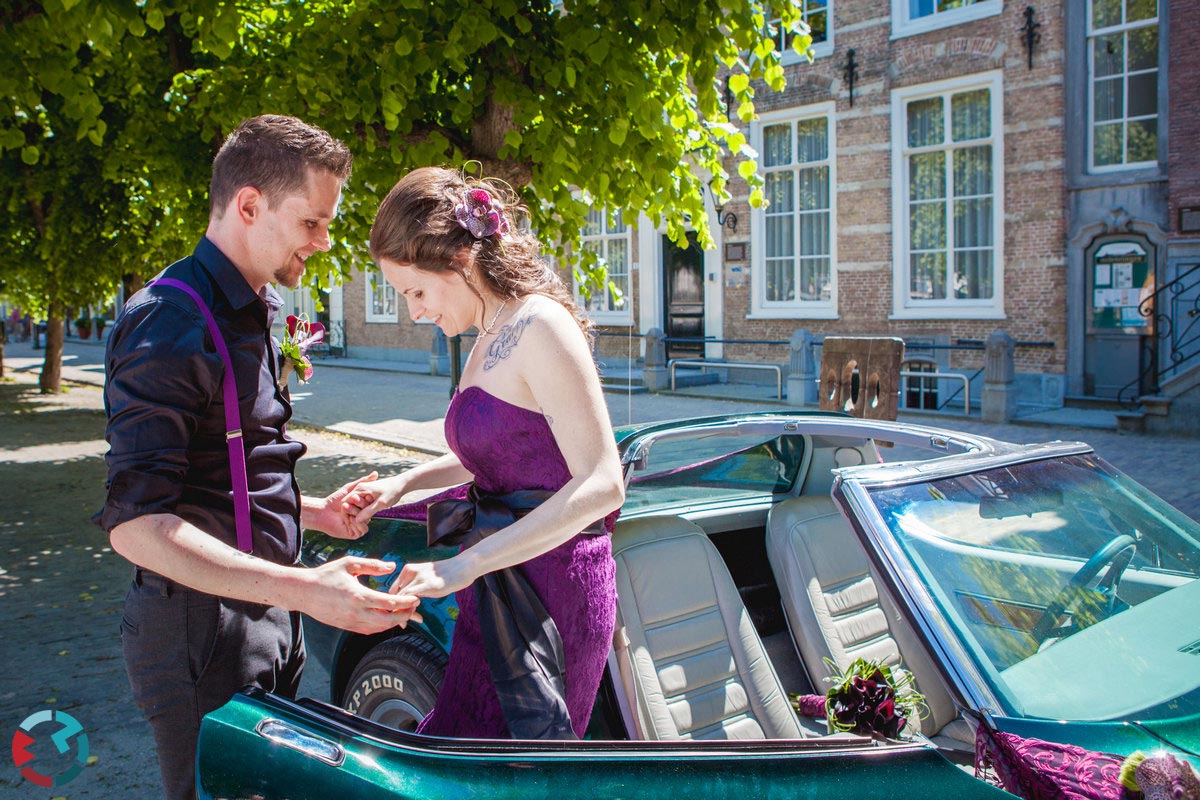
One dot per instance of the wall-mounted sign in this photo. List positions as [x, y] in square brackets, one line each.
[735, 278]
[1121, 279]
[1189, 219]
[735, 251]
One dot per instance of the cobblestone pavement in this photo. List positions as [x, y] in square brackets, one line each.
[62, 587]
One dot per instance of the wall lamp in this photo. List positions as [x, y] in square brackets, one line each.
[723, 220]
[1030, 33]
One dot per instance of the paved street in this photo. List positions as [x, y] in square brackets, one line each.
[62, 587]
[375, 401]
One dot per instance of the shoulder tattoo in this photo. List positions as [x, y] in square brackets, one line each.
[505, 341]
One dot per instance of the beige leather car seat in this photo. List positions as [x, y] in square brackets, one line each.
[835, 610]
[685, 644]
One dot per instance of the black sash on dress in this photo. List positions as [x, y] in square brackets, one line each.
[521, 642]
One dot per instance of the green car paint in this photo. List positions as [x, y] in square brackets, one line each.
[379, 763]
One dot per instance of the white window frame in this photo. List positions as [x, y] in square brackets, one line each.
[374, 277]
[760, 308]
[299, 301]
[904, 25]
[610, 316]
[1123, 27]
[904, 307]
[819, 49]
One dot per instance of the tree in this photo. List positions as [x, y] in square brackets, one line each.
[612, 104]
[84, 141]
[577, 104]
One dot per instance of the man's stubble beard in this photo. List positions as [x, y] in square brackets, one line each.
[286, 278]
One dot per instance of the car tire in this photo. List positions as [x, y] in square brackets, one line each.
[397, 682]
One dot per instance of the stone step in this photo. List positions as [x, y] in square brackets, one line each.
[694, 377]
[622, 386]
[1094, 403]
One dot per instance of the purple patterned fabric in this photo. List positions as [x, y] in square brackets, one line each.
[1041, 770]
[508, 448]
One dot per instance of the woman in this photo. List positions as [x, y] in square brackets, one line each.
[529, 414]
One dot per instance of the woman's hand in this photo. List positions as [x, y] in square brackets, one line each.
[368, 498]
[328, 515]
[434, 578]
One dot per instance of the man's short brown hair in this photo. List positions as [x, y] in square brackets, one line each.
[273, 154]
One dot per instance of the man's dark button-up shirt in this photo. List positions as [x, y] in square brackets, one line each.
[166, 412]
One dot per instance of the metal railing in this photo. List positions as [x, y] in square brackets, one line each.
[1174, 311]
[905, 374]
[703, 365]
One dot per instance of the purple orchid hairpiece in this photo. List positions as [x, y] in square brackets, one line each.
[480, 215]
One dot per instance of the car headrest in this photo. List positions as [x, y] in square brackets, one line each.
[640, 530]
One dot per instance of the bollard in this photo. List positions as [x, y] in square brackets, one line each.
[802, 370]
[999, 378]
[654, 370]
[439, 354]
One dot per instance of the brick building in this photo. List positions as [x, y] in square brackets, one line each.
[935, 175]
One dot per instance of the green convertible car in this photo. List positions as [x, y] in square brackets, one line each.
[1030, 590]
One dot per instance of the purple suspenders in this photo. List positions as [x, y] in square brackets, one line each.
[233, 422]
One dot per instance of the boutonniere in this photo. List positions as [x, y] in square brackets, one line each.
[299, 336]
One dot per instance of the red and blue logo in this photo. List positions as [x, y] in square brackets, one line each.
[50, 772]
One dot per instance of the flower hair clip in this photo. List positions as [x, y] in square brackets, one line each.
[480, 215]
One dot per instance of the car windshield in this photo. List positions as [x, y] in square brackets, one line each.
[1072, 587]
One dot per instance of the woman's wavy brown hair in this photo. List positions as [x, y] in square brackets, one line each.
[416, 225]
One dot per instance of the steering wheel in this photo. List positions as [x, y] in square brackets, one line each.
[1116, 555]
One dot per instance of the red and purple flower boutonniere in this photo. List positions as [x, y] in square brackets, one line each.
[869, 698]
[299, 336]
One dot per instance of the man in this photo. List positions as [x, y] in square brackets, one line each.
[203, 619]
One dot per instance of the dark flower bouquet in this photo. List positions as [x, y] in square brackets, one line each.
[870, 698]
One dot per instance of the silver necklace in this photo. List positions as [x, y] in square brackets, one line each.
[487, 329]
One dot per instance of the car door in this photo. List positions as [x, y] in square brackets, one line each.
[265, 747]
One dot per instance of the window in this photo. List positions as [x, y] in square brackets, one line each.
[1123, 85]
[947, 198]
[713, 466]
[381, 298]
[919, 16]
[919, 392]
[818, 15]
[607, 236]
[794, 242]
[299, 302]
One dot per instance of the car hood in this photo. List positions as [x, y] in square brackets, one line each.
[1183, 733]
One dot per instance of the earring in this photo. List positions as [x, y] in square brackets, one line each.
[467, 273]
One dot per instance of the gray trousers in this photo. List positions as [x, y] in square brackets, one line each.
[187, 653]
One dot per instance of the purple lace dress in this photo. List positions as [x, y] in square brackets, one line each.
[508, 448]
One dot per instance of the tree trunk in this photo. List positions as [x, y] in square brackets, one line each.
[50, 381]
[132, 283]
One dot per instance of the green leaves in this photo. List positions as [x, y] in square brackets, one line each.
[116, 110]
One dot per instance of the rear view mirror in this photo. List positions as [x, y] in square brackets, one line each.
[1019, 503]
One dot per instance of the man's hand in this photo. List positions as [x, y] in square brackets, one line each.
[368, 498]
[329, 516]
[335, 596]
